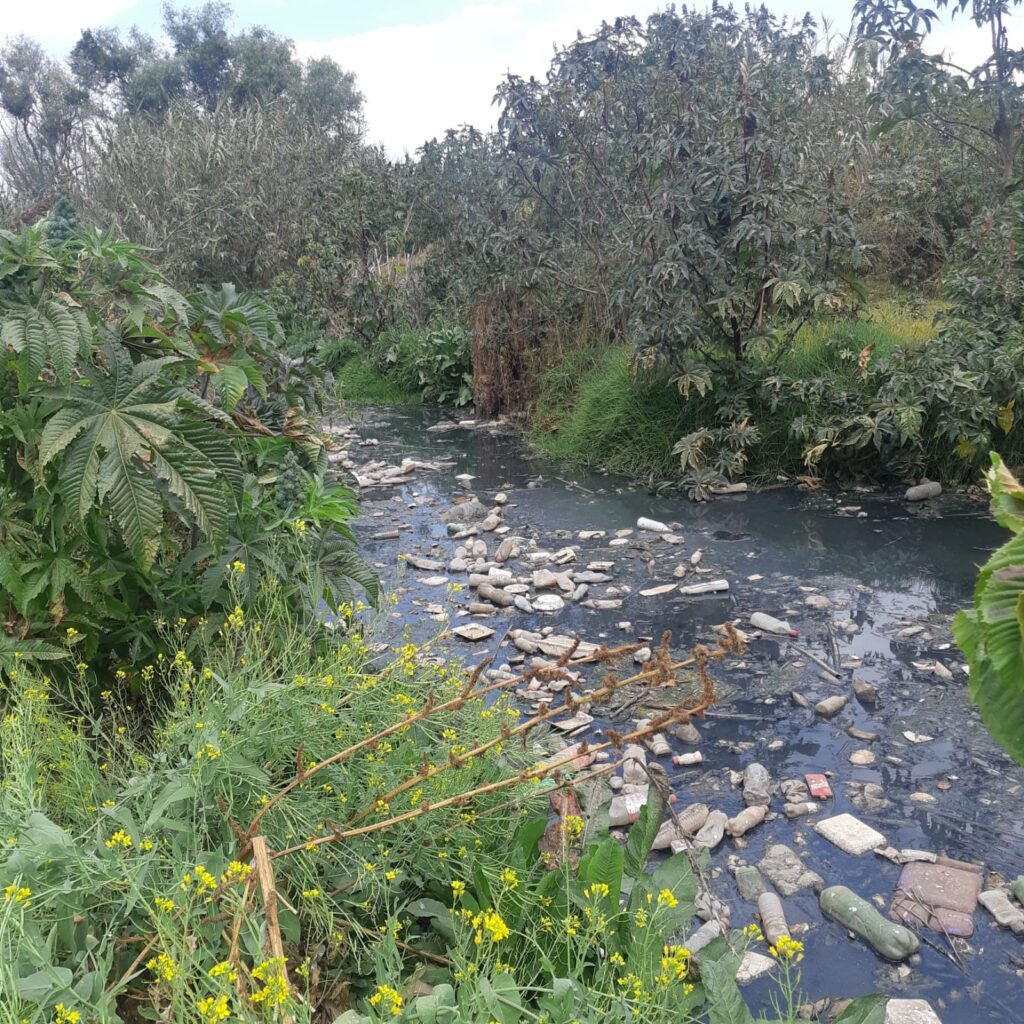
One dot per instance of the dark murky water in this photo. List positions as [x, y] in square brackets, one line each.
[896, 566]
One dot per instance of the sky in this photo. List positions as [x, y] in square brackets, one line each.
[423, 65]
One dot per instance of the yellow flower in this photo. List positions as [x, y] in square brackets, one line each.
[573, 826]
[236, 872]
[509, 877]
[596, 891]
[163, 967]
[310, 894]
[786, 948]
[458, 889]
[119, 838]
[238, 567]
[163, 904]
[752, 931]
[387, 999]
[226, 970]
[390, 875]
[675, 963]
[17, 894]
[495, 924]
[641, 918]
[666, 899]
[66, 1015]
[275, 985]
[214, 1008]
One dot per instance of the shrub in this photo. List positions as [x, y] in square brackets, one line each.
[142, 433]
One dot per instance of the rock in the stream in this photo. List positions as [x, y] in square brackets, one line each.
[786, 871]
[819, 602]
[867, 796]
[757, 785]
[891, 940]
[509, 548]
[749, 881]
[830, 706]
[470, 511]
[473, 631]
[490, 523]
[862, 758]
[864, 691]
[753, 966]
[746, 820]
[909, 1011]
[773, 917]
[921, 492]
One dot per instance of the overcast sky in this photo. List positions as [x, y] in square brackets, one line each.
[423, 65]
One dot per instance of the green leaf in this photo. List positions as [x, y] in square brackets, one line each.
[864, 1010]
[501, 996]
[641, 835]
[725, 1004]
[45, 985]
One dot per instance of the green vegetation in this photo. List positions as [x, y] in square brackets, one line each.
[221, 796]
[991, 634]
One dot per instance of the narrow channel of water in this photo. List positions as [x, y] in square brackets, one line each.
[886, 567]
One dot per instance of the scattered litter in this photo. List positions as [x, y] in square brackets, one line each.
[818, 786]
[830, 706]
[665, 588]
[849, 833]
[686, 760]
[652, 526]
[753, 966]
[770, 624]
[941, 896]
[773, 917]
[786, 871]
[473, 631]
[909, 1011]
[891, 940]
[998, 904]
[711, 587]
[922, 492]
[916, 737]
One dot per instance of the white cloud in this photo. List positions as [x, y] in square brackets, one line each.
[419, 80]
[57, 24]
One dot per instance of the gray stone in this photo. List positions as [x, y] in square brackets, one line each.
[787, 872]
[749, 882]
[910, 1011]
[864, 691]
[712, 831]
[998, 904]
[753, 966]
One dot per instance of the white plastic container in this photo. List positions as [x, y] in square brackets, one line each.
[770, 624]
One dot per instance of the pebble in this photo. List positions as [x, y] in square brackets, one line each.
[910, 1011]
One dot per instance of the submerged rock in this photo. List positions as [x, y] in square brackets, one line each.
[786, 871]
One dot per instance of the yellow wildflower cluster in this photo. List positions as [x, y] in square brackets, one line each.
[163, 967]
[65, 1015]
[201, 878]
[226, 970]
[509, 878]
[667, 899]
[17, 894]
[753, 931]
[786, 948]
[214, 1008]
[119, 839]
[236, 871]
[458, 889]
[675, 964]
[235, 619]
[163, 904]
[490, 924]
[387, 999]
[596, 891]
[275, 985]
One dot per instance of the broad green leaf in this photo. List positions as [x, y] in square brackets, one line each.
[725, 1004]
[864, 1010]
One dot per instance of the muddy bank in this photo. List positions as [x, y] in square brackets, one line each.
[868, 583]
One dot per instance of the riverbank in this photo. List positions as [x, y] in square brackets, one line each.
[848, 401]
[869, 583]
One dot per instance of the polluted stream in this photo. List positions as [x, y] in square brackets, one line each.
[869, 582]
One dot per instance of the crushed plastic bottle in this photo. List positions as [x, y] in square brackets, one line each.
[773, 917]
[769, 624]
[683, 760]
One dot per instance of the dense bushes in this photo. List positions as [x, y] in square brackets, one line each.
[143, 437]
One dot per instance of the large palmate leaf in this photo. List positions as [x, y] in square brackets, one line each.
[126, 444]
[991, 635]
[51, 333]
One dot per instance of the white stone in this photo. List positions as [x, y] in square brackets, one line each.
[753, 966]
[910, 1011]
[473, 631]
[849, 834]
